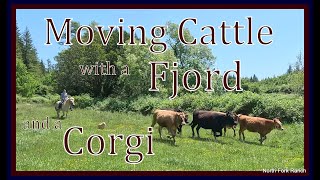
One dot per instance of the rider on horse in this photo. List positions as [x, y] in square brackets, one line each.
[63, 98]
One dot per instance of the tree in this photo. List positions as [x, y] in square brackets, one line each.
[30, 72]
[199, 57]
[289, 69]
[29, 54]
[68, 73]
[299, 63]
[74, 27]
[19, 43]
[50, 67]
[137, 58]
[26, 83]
[42, 67]
[254, 78]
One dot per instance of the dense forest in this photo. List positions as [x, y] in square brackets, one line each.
[42, 81]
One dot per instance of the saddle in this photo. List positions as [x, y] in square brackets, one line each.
[60, 105]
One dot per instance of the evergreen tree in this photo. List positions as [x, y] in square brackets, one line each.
[49, 66]
[255, 78]
[29, 54]
[289, 69]
[299, 63]
[19, 42]
[42, 67]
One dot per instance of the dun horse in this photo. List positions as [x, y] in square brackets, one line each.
[68, 104]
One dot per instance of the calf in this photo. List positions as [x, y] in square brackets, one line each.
[215, 121]
[169, 119]
[257, 124]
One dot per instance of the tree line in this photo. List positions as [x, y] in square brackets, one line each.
[34, 78]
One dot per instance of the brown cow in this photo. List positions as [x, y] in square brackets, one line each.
[169, 119]
[257, 124]
[177, 110]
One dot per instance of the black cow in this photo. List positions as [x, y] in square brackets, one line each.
[215, 121]
[177, 110]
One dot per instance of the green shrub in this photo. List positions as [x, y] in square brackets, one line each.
[53, 98]
[113, 104]
[289, 108]
[39, 99]
[20, 99]
[145, 105]
[83, 101]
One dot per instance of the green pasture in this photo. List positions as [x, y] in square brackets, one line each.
[42, 149]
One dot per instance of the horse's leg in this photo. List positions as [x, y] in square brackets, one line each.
[58, 113]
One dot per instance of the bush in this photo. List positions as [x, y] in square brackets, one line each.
[113, 104]
[145, 105]
[26, 82]
[48, 99]
[39, 99]
[83, 101]
[20, 99]
[53, 98]
[289, 108]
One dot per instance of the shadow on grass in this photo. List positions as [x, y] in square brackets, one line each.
[257, 143]
[252, 142]
[209, 140]
[55, 118]
[165, 141]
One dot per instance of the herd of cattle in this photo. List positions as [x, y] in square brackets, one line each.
[174, 119]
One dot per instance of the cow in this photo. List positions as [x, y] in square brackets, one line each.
[178, 110]
[213, 120]
[260, 125]
[169, 119]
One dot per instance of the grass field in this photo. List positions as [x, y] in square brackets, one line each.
[43, 149]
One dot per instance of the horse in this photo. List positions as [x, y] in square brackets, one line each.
[68, 104]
